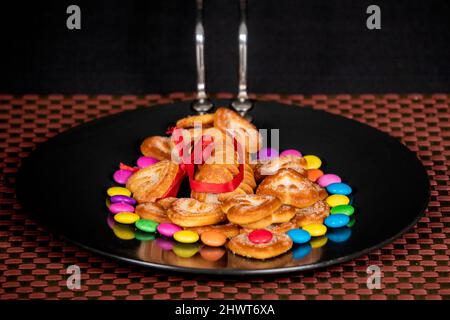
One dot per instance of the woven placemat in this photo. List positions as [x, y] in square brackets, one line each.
[33, 262]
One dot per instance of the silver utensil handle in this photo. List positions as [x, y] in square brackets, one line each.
[199, 52]
[243, 37]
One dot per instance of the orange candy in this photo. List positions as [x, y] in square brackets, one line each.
[213, 238]
[212, 254]
[314, 174]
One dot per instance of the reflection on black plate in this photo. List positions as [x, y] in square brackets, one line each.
[72, 170]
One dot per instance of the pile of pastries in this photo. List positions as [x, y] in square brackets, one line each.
[275, 194]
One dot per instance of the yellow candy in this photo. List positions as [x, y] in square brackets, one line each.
[116, 191]
[126, 217]
[123, 232]
[315, 229]
[186, 236]
[108, 202]
[312, 162]
[185, 250]
[318, 242]
[337, 200]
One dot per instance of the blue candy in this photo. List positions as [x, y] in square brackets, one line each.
[339, 235]
[339, 188]
[299, 235]
[336, 220]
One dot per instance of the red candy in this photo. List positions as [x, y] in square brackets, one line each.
[260, 236]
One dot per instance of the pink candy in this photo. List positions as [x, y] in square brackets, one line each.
[327, 179]
[164, 244]
[120, 207]
[291, 152]
[168, 229]
[267, 153]
[121, 176]
[144, 161]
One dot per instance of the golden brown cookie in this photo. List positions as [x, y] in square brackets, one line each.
[187, 212]
[241, 245]
[292, 188]
[229, 230]
[157, 147]
[197, 120]
[313, 214]
[152, 211]
[235, 125]
[284, 214]
[165, 203]
[270, 167]
[245, 209]
[151, 183]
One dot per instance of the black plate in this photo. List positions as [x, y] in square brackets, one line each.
[63, 183]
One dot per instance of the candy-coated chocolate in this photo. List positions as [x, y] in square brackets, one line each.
[126, 217]
[312, 162]
[185, 250]
[144, 236]
[115, 191]
[314, 174]
[260, 236]
[337, 220]
[267, 153]
[299, 235]
[339, 235]
[165, 244]
[186, 236]
[318, 242]
[120, 207]
[146, 225]
[343, 209]
[212, 253]
[315, 229]
[291, 152]
[339, 188]
[110, 221]
[144, 161]
[301, 251]
[213, 238]
[337, 200]
[168, 229]
[108, 202]
[121, 176]
[124, 199]
[328, 179]
[123, 232]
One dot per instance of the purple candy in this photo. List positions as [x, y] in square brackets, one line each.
[144, 161]
[122, 198]
[164, 243]
[291, 152]
[327, 179]
[168, 229]
[120, 207]
[267, 153]
[121, 176]
[110, 221]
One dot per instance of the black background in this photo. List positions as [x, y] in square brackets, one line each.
[308, 46]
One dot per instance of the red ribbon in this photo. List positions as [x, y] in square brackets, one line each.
[187, 167]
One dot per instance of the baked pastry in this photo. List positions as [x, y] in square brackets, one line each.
[152, 211]
[245, 209]
[272, 166]
[313, 214]
[157, 147]
[165, 203]
[241, 245]
[229, 230]
[202, 120]
[292, 188]
[239, 127]
[151, 183]
[282, 215]
[188, 212]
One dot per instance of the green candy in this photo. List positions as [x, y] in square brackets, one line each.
[351, 223]
[146, 225]
[144, 236]
[343, 209]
